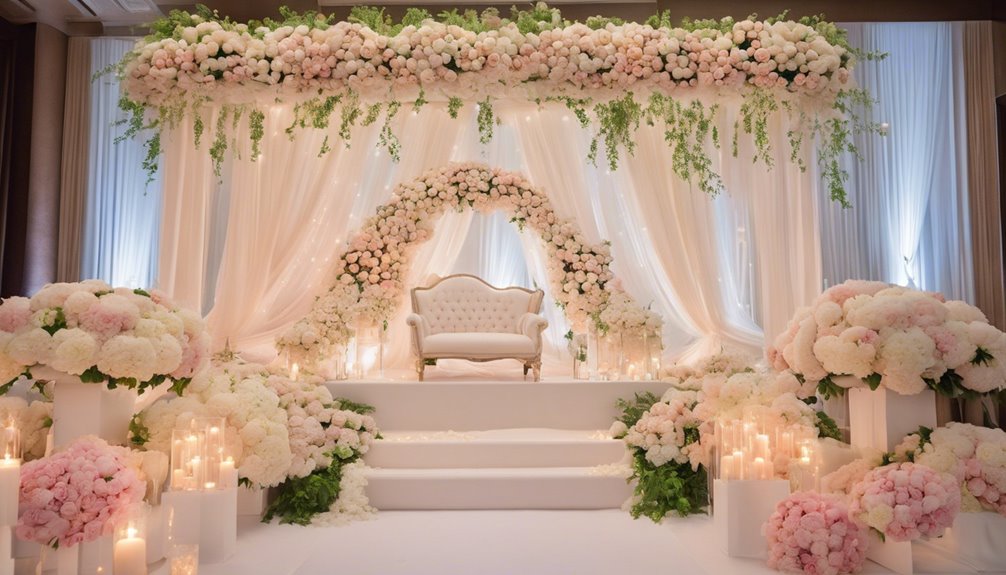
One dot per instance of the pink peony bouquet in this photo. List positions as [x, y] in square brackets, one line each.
[906, 501]
[123, 336]
[370, 274]
[77, 495]
[669, 431]
[975, 455]
[903, 339]
[812, 533]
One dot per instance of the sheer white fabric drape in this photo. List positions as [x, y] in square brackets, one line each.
[121, 214]
[909, 223]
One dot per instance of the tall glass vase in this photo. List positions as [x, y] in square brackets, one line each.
[579, 352]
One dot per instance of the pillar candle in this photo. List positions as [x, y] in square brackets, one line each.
[131, 554]
[10, 480]
[726, 466]
[759, 469]
[761, 446]
[228, 474]
[738, 471]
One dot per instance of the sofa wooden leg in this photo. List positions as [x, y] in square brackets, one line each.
[527, 368]
[420, 368]
[536, 366]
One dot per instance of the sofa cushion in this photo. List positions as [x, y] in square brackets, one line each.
[478, 345]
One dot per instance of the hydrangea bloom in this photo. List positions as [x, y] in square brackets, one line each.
[900, 338]
[33, 419]
[125, 334]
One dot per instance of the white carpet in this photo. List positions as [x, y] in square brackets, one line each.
[607, 542]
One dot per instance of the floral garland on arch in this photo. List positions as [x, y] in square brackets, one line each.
[611, 74]
[369, 276]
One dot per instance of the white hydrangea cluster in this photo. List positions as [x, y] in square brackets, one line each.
[256, 431]
[624, 315]
[663, 431]
[905, 337]
[129, 335]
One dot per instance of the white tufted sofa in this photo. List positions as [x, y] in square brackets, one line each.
[463, 317]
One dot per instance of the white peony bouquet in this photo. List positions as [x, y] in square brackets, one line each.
[123, 336]
[903, 339]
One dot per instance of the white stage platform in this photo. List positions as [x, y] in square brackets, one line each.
[496, 543]
[505, 444]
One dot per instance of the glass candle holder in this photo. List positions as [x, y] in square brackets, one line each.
[214, 430]
[130, 547]
[184, 560]
[188, 454]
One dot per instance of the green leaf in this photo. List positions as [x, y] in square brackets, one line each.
[142, 292]
[873, 381]
[178, 385]
[672, 488]
[826, 426]
[56, 322]
[347, 405]
[299, 499]
[828, 389]
[139, 435]
[93, 375]
[633, 410]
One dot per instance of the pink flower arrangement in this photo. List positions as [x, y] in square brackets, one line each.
[369, 275]
[812, 533]
[122, 334]
[906, 501]
[77, 495]
[232, 58]
[903, 339]
[975, 455]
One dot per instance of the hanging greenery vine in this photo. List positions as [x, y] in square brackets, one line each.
[612, 75]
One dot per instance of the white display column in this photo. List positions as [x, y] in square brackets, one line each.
[881, 418]
[81, 409]
[10, 484]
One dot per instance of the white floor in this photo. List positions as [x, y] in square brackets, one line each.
[606, 542]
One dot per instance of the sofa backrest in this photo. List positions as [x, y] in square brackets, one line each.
[465, 303]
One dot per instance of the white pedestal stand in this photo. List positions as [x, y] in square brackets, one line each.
[251, 501]
[881, 419]
[977, 539]
[85, 558]
[88, 409]
[183, 510]
[218, 530]
[895, 555]
[741, 507]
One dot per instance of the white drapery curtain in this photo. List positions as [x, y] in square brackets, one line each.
[122, 211]
[909, 223]
[287, 215]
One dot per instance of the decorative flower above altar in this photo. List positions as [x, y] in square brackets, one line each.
[612, 74]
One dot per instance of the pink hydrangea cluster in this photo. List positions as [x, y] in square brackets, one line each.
[907, 337]
[77, 495]
[906, 501]
[369, 274]
[812, 533]
[975, 455]
[204, 54]
[123, 333]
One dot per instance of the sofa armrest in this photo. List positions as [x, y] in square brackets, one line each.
[419, 331]
[531, 325]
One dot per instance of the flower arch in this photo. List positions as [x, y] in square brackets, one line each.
[369, 275]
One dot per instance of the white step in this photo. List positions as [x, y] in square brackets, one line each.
[481, 405]
[495, 448]
[501, 488]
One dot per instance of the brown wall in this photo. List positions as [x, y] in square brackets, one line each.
[46, 158]
[999, 51]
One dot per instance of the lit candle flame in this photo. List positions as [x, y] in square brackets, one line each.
[130, 532]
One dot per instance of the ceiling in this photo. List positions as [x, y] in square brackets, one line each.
[91, 17]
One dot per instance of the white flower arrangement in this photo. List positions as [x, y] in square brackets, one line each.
[123, 336]
[622, 314]
[34, 420]
[903, 339]
[256, 424]
[369, 275]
